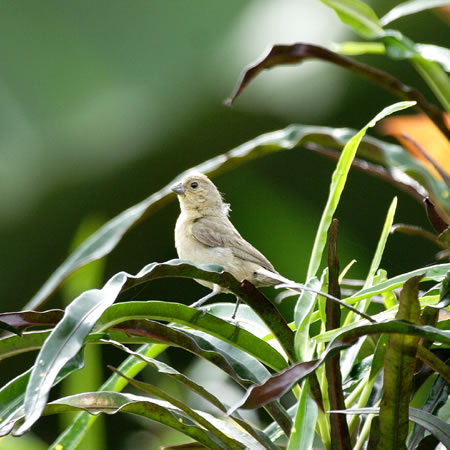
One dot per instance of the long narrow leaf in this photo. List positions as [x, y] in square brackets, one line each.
[358, 15]
[399, 366]
[195, 387]
[431, 423]
[302, 436]
[435, 273]
[279, 384]
[64, 343]
[410, 7]
[338, 182]
[12, 394]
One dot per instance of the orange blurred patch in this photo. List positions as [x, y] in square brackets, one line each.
[423, 131]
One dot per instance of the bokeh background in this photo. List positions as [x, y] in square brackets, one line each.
[103, 103]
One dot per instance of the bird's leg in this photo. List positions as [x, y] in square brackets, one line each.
[204, 299]
[238, 302]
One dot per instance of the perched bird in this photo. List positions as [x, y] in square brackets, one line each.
[205, 235]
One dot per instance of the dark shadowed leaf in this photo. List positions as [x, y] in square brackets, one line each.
[437, 397]
[340, 436]
[5, 326]
[24, 319]
[300, 52]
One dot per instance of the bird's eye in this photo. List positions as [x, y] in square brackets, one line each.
[194, 185]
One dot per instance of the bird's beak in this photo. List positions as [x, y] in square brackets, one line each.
[178, 189]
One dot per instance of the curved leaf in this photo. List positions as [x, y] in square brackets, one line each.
[433, 424]
[279, 384]
[302, 436]
[75, 432]
[195, 387]
[64, 343]
[114, 402]
[300, 52]
[410, 7]
[358, 15]
[240, 366]
[26, 319]
[399, 366]
[13, 393]
[82, 314]
[435, 273]
[338, 182]
[196, 319]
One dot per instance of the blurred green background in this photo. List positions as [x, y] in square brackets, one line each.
[105, 102]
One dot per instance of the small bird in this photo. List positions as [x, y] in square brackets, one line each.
[205, 235]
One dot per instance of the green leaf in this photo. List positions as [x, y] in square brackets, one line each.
[351, 48]
[72, 436]
[399, 366]
[12, 394]
[358, 15]
[279, 384]
[234, 437]
[181, 314]
[435, 53]
[400, 47]
[15, 345]
[64, 343]
[436, 273]
[160, 411]
[410, 7]
[304, 309]
[338, 180]
[195, 387]
[240, 366]
[302, 435]
[433, 424]
[376, 261]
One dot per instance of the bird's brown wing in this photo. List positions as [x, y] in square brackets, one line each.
[220, 232]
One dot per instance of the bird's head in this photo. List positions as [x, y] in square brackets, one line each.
[198, 195]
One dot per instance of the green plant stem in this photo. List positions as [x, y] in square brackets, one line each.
[362, 402]
[324, 428]
[356, 392]
[434, 362]
[364, 432]
[297, 390]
